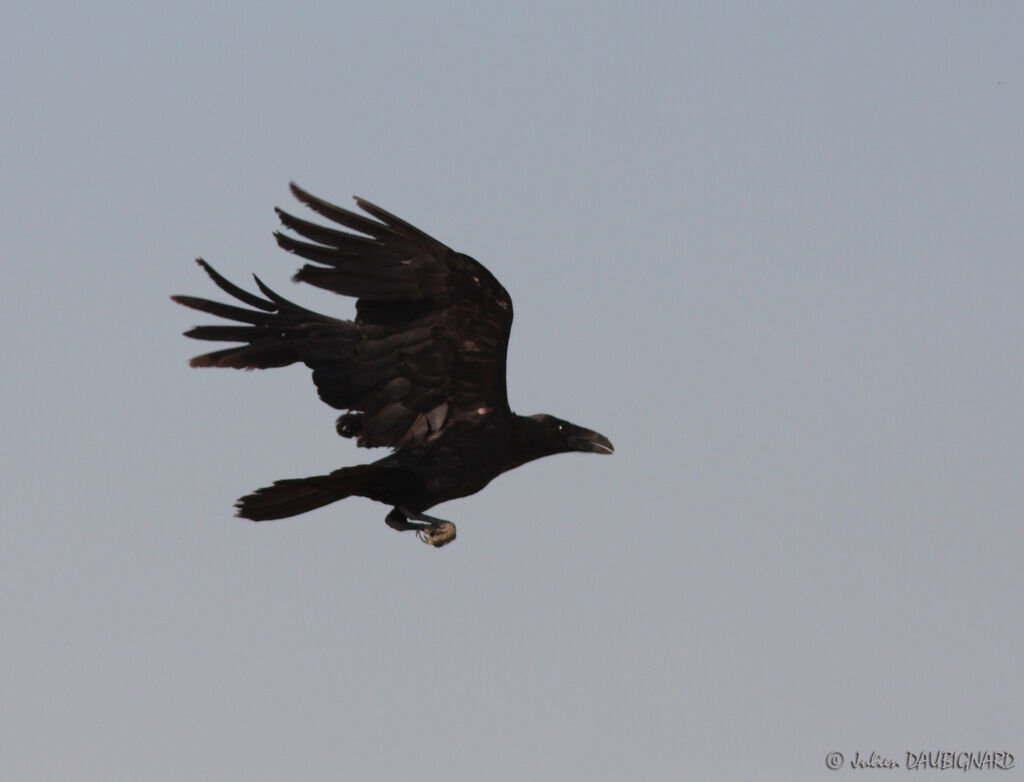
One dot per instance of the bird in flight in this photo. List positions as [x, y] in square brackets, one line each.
[420, 370]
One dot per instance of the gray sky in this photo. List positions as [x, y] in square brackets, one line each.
[773, 253]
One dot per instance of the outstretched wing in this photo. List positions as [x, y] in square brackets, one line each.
[428, 344]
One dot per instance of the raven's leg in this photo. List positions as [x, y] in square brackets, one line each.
[436, 532]
[396, 519]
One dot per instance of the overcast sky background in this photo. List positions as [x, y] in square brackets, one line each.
[774, 253]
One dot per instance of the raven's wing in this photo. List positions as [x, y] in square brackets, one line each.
[427, 347]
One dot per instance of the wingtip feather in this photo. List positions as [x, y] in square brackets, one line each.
[304, 196]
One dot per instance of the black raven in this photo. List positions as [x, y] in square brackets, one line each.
[421, 369]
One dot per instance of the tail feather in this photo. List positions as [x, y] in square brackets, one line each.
[285, 498]
[293, 496]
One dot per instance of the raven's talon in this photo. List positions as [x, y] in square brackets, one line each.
[437, 535]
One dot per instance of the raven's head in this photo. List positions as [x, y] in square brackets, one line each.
[560, 436]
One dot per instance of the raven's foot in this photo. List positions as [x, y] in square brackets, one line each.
[436, 532]
[437, 535]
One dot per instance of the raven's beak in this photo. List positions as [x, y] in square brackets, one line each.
[592, 442]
